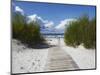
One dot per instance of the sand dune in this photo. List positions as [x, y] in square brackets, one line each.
[25, 60]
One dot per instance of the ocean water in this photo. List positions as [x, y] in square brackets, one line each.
[53, 36]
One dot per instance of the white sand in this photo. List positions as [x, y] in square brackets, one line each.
[27, 60]
[84, 58]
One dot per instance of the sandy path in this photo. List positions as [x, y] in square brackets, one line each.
[59, 60]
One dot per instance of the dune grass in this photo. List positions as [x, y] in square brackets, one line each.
[82, 31]
[27, 33]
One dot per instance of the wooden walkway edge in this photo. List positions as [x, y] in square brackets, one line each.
[59, 60]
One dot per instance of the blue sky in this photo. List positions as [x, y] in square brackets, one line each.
[55, 12]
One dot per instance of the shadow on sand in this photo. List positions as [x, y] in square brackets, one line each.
[35, 46]
[41, 46]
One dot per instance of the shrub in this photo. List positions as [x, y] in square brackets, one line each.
[70, 35]
[82, 31]
[18, 23]
[28, 33]
[90, 35]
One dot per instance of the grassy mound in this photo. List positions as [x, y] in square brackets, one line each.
[82, 31]
[27, 33]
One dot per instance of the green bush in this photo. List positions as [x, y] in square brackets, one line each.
[90, 35]
[18, 23]
[28, 33]
[70, 35]
[82, 31]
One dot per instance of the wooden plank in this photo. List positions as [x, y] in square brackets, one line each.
[59, 60]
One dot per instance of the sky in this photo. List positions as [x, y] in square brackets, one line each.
[52, 12]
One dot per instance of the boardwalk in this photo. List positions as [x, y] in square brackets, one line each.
[59, 60]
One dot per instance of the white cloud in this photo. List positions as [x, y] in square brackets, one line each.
[44, 21]
[64, 23]
[35, 17]
[18, 9]
[32, 17]
[50, 24]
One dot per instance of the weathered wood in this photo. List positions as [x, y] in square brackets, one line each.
[58, 60]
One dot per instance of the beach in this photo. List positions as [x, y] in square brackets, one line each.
[25, 60]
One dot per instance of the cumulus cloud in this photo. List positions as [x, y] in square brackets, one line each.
[32, 17]
[18, 9]
[49, 24]
[44, 21]
[35, 17]
[64, 23]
